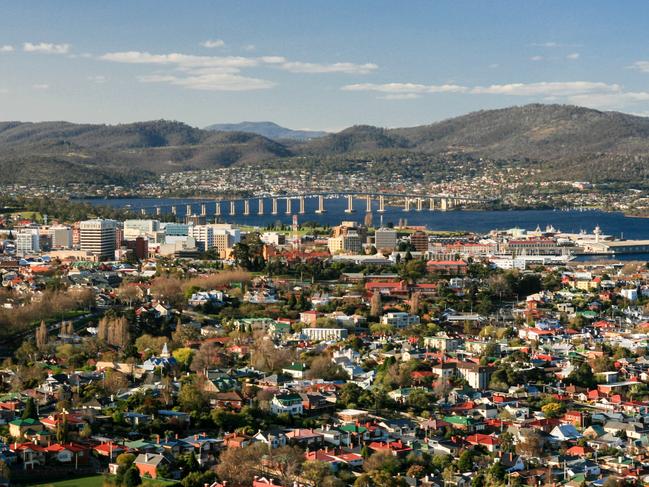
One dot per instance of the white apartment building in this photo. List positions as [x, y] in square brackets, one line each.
[98, 237]
[27, 241]
[325, 334]
[399, 319]
[219, 236]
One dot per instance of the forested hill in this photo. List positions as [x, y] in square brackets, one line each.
[565, 142]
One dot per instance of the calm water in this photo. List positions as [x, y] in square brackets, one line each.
[477, 221]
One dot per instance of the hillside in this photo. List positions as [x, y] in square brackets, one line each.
[268, 129]
[61, 151]
[564, 142]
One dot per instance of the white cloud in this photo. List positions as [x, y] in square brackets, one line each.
[222, 73]
[97, 79]
[400, 96]
[641, 66]
[41, 86]
[273, 59]
[180, 60]
[249, 47]
[211, 82]
[586, 93]
[536, 58]
[213, 43]
[347, 68]
[546, 88]
[46, 48]
[405, 88]
[546, 44]
[573, 56]
[610, 101]
[7, 48]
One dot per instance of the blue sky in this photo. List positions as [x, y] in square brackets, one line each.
[319, 65]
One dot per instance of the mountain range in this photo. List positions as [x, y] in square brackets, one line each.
[565, 142]
[268, 129]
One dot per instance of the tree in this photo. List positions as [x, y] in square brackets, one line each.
[553, 409]
[5, 471]
[287, 462]
[414, 303]
[41, 336]
[323, 368]
[531, 445]
[183, 356]
[381, 460]
[30, 409]
[132, 477]
[465, 462]
[114, 331]
[315, 471]
[208, 355]
[238, 466]
[375, 305]
[582, 376]
[191, 397]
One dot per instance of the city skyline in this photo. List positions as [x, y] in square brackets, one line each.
[311, 67]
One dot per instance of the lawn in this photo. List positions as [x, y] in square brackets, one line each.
[93, 481]
[98, 481]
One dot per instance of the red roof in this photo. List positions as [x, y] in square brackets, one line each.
[480, 439]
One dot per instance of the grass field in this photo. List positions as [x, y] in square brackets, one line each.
[93, 481]
[98, 481]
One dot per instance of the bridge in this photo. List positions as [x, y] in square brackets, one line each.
[221, 207]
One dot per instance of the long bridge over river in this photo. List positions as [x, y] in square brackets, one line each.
[296, 203]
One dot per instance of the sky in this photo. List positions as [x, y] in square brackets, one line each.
[322, 65]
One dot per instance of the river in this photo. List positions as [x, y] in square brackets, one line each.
[615, 224]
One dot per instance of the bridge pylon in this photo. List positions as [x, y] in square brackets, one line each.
[260, 210]
[321, 206]
[381, 204]
[368, 204]
[350, 204]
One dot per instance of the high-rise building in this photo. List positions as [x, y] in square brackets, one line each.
[219, 236]
[27, 241]
[61, 236]
[98, 237]
[419, 241]
[385, 238]
[139, 247]
[349, 243]
[140, 228]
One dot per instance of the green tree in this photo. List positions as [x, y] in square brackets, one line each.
[132, 477]
[30, 409]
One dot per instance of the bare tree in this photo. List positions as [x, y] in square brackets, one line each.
[41, 336]
[375, 305]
